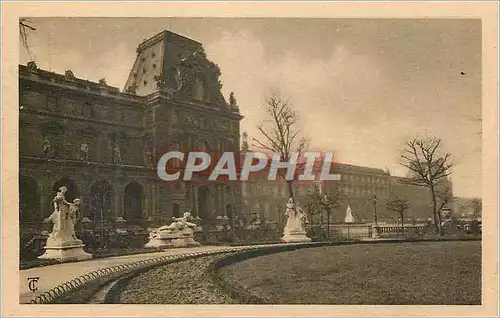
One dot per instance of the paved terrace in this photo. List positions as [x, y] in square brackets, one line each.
[53, 275]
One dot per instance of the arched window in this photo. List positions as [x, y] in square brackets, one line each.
[203, 195]
[132, 198]
[72, 192]
[29, 200]
[101, 195]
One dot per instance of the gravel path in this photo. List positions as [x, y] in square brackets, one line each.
[186, 282]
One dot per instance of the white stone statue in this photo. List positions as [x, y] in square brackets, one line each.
[179, 233]
[46, 146]
[117, 154]
[62, 242]
[294, 214]
[63, 218]
[179, 224]
[84, 151]
[349, 218]
[294, 229]
[73, 217]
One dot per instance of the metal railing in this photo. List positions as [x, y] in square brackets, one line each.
[116, 271]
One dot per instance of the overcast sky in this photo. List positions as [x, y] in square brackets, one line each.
[362, 87]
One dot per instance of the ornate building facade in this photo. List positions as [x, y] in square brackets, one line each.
[103, 144]
[357, 187]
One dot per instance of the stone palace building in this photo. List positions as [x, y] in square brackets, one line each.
[103, 143]
[265, 200]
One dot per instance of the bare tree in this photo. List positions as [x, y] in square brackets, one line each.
[427, 168]
[23, 28]
[477, 206]
[399, 205]
[330, 200]
[280, 133]
[313, 203]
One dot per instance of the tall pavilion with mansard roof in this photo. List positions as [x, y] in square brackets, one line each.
[103, 144]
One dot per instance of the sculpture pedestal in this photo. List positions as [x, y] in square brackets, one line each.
[178, 234]
[171, 241]
[68, 251]
[294, 237]
[375, 233]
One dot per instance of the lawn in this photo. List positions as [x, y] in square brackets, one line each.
[440, 273]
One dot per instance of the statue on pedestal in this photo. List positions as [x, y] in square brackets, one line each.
[46, 147]
[232, 99]
[149, 159]
[349, 218]
[117, 155]
[84, 151]
[178, 224]
[294, 229]
[62, 242]
[180, 233]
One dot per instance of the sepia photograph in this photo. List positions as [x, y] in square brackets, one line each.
[188, 160]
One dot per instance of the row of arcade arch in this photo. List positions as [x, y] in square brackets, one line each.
[98, 204]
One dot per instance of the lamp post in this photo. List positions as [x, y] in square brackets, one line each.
[327, 208]
[375, 209]
[375, 233]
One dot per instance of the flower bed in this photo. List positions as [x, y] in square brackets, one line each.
[186, 282]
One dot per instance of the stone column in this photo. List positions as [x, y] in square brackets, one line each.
[211, 202]
[117, 204]
[46, 196]
[217, 200]
[84, 195]
[224, 201]
[46, 208]
[145, 207]
[122, 204]
[154, 211]
[148, 202]
[195, 202]
[188, 198]
[45, 202]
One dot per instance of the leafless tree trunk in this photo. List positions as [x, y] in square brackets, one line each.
[428, 168]
[444, 195]
[330, 201]
[289, 184]
[401, 214]
[280, 134]
[312, 203]
[399, 205]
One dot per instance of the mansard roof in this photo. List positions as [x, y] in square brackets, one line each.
[178, 65]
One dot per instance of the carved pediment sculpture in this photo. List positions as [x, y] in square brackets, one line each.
[161, 82]
[131, 89]
[32, 66]
[198, 77]
[179, 77]
[68, 74]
